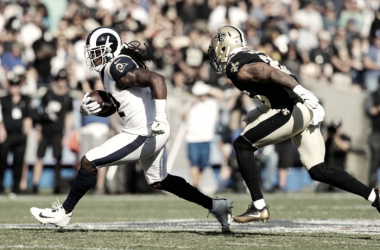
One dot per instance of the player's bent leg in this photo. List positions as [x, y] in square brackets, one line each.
[84, 181]
[220, 208]
[251, 175]
[311, 148]
[340, 179]
[60, 215]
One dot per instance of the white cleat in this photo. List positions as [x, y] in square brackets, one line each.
[56, 215]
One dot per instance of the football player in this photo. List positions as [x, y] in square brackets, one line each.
[288, 110]
[139, 97]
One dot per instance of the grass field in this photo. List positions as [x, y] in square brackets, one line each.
[298, 221]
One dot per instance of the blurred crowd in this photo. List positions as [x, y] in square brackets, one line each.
[41, 57]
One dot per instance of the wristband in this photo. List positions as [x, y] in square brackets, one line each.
[160, 105]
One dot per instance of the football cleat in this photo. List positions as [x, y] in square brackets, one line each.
[221, 210]
[56, 215]
[253, 214]
[376, 203]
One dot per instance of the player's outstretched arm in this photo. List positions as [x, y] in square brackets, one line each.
[256, 73]
[144, 78]
[263, 73]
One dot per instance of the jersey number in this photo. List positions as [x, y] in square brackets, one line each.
[117, 105]
[274, 64]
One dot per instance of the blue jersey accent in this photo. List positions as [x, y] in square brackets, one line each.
[120, 66]
[92, 118]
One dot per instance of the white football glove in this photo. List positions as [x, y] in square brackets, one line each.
[87, 109]
[159, 124]
[318, 115]
[309, 100]
[255, 113]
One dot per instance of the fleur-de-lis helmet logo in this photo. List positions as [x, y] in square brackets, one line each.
[219, 37]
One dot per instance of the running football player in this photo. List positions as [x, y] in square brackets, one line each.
[288, 110]
[139, 97]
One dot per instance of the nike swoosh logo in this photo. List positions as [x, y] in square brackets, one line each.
[255, 215]
[43, 216]
[157, 125]
[117, 61]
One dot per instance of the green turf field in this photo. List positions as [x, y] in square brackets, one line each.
[156, 208]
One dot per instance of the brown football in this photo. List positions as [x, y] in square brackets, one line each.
[102, 98]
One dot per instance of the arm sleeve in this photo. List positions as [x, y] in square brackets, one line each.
[120, 66]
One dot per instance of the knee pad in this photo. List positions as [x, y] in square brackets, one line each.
[87, 166]
[321, 172]
[241, 143]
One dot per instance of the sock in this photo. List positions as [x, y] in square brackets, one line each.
[250, 172]
[82, 183]
[178, 186]
[259, 204]
[372, 196]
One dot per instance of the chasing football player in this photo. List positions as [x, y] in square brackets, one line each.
[139, 97]
[288, 110]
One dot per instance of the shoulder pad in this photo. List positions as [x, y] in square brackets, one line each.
[120, 66]
[239, 60]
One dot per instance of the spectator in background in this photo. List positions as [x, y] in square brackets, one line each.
[351, 13]
[292, 60]
[12, 58]
[95, 131]
[192, 57]
[44, 51]
[268, 158]
[201, 116]
[341, 61]
[17, 123]
[285, 150]
[337, 145]
[28, 79]
[309, 23]
[319, 65]
[330, 22]
[373, 111]
[3, 131]
[357, 56]
[54, 127]
[227, 12]
[372, 64]
[375, 23]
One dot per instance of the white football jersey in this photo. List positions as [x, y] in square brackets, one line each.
[135, 106]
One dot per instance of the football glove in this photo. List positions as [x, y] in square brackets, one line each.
[318, 115]
[309, 99]
[159, 124]
[87, 109]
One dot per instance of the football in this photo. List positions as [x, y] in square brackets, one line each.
[102, 98]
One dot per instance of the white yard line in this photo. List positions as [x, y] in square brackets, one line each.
[369, 227]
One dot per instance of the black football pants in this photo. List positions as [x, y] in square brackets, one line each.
[15, 143]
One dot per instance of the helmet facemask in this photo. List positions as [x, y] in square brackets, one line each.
[93, 54]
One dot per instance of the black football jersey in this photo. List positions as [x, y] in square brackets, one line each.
[277, 95]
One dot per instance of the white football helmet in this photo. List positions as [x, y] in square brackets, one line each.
[227, 41]
[103, 43]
